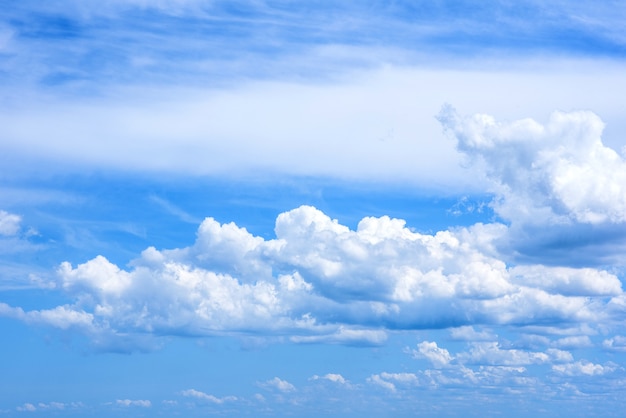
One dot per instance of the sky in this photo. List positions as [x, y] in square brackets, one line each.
[342, 209]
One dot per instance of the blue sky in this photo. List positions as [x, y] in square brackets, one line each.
[312, 209]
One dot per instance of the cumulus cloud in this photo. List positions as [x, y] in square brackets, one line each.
[278, 384]
[568, 281]
[10, 223]
[49, 406]
[583, 368]
[576, 341]
[557, 183]
[492, 354]
[378, 380]
[332, 377]
[616, 343]
[192, 393]
[558, 172]
[320, 282]
[489, 364]
[129, 402]
[391, 381]
[63, 317]
[439, 357]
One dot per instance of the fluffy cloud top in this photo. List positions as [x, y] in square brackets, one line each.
[279, 384]
[439, 357]
[319, 281]
[560, 172]
[333, 377]
[557, 184]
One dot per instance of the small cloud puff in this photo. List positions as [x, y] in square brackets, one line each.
[390, 381]
[332, 377]
[278, 384]
[439, 357]
[129, 403]
[192, 393]
[616, 343]
[10, 224]
[27, 407]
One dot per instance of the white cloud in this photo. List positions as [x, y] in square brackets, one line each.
[490, 353]
[558, 172]
[378, 380]
[576, 341]
[468, 333]
[319, 281]
[129, 402]
[561, 188]
[63, 317]
[568, 281]
[486, 364]
[144, 129]
[346, 336]
[50, 406]
[390, 381]
[27, 407]
[333, 377]
[616, 343]
[279, 384]
[439, 357]
[192, 393]
[9, 223]
[400, 377]
[583, 368]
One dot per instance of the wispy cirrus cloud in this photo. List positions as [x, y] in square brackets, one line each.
[79, 44]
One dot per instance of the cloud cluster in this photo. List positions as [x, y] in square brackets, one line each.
[50, 406]
[557, 184]
[513, 376]
[559, 173]
[489, 365]
[319, 281]
[131, 402]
